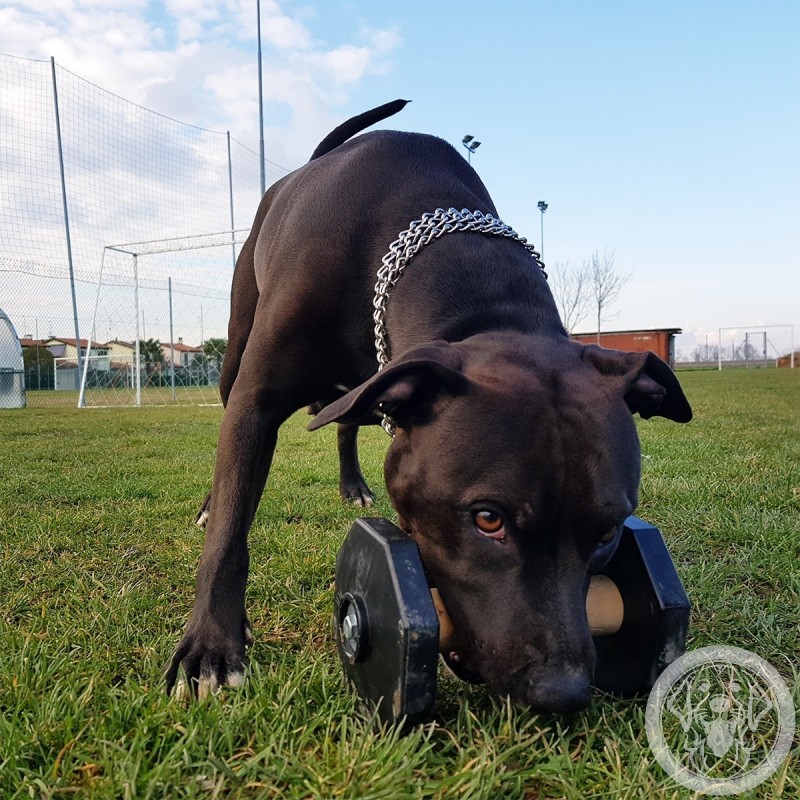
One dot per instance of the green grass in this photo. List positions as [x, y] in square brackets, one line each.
[98, 558]
[99, 398]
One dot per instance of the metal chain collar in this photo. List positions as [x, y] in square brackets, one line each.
[419, 233]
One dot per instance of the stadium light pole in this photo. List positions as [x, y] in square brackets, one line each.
[471, 145]
[542, 206]
[260, 104]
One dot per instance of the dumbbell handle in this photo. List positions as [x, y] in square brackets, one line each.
[604, 610]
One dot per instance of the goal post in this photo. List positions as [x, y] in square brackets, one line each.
[160, 319]
[756, 346]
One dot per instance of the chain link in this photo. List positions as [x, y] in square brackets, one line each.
[410, 241]
[419, 233]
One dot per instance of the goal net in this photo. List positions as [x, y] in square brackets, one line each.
[756, 346]
[160, 321]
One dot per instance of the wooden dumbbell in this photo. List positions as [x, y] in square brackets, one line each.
[390, 625]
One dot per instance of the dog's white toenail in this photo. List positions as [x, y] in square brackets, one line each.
[235, 679]
[181, 691]
[208, 686]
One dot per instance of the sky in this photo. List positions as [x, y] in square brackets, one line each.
[664, 131]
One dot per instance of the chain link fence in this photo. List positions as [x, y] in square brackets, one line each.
[82, 169]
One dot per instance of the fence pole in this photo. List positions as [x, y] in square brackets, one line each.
[171, 340]
[66, 218]
[205, 368]
[138, 374]
[260, 104]
[230, 194]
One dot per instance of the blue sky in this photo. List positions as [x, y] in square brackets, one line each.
[666, 131]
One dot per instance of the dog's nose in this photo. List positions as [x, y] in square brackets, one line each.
[562, 694]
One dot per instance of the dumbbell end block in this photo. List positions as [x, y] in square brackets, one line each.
[657, 613]
[386, 626]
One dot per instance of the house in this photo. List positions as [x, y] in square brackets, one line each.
[119, 347]
[660, 341]
[179, 354]
[65, 356]
[68, 348]
[122, 354]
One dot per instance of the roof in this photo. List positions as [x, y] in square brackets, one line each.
[181, 347]
[628, 333]
[71, 342]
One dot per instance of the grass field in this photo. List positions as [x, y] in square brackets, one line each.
[98, 558]
[101, 398]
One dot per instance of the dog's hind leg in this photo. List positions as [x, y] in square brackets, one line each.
[352, 486]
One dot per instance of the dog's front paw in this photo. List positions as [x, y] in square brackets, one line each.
[207, 658]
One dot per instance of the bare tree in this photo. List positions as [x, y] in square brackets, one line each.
[705, 352]
[606, 283]
[572, 292]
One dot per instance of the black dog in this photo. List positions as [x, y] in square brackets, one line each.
[516, 457]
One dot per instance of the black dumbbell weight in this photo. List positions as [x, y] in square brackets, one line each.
[390, 625]
[652, 633]
[386, 626]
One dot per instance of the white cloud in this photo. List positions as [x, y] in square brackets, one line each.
[195, 60]
[345, 64]
[281, 31]
[191, 18]
[22, 34]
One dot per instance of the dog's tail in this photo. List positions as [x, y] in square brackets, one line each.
[356, 124]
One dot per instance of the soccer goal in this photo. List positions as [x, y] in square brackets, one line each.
[160, 322]
[757, 346]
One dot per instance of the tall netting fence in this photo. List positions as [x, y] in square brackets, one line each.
[81, 168]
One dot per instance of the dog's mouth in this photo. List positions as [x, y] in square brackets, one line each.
[450, 644]
[453, 662]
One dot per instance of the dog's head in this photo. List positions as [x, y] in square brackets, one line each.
[515, 462]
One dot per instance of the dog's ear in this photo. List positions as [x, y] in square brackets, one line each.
[650, 386]
[403, 391]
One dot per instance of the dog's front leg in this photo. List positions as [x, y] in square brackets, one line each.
[212, 650]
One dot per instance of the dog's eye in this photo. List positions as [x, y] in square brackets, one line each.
[489, 523]
[608, 536]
